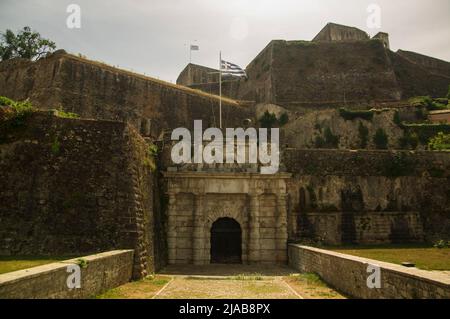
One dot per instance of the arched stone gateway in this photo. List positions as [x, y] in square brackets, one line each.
[226, 241]
[203, 206]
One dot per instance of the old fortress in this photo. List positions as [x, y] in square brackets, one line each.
[106, 180]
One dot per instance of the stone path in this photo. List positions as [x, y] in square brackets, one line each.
[238, 282]
[220, 288]
[225, 282]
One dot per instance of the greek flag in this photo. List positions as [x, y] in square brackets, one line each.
[232, 69]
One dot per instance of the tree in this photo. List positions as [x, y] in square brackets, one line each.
[381, 139]
[440, 142]
[268, 120]
[26, 44]
[363, 135]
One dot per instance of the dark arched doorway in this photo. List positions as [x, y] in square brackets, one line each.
[226, 240]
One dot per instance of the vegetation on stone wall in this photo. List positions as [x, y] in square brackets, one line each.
[409, 141]
[397, 119]
[270, 120]
[440, 142]
[150, 159]
[350, 115]
[328, 140]
[426, 131]
[381, 139]
[429, 103]
[363, 132]
[13, 115]
[67, 115]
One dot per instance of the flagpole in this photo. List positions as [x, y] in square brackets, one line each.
[220, 89]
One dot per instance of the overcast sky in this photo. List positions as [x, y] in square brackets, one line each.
[153, 36]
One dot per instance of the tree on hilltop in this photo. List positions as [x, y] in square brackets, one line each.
[25, 44]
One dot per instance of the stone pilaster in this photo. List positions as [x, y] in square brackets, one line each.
[198, 236]
[171, 230]
[281, 227]
[254, 235]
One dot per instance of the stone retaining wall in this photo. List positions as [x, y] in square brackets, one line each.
[349, 274]
[104, 271]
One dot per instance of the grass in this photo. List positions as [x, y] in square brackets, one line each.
[425, 257]
[14, 263]
[311, 286]
[142, 289]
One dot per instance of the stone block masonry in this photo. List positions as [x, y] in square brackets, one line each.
[76, 187]
[104, 271]
[349, 275]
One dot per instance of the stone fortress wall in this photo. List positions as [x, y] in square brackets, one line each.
[75, 187]
[98, 91]
[341, 65]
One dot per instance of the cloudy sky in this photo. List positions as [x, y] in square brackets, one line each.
[153, 36]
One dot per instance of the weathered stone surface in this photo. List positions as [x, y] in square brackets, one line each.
[85, 186]
[349, 275]
[96, 90]
[103, 272]
[199, 199]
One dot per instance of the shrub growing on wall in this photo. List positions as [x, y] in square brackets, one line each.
[363, 135]
[329, 140]
[381, 139]
[440, 142]
[350, 115]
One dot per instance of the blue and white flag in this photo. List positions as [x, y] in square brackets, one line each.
[232, 69]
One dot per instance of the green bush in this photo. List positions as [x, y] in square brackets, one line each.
[426, 131]
[13, 115]
[441, 244]
[363, 135]
[350, 115]
[329, 140]
[440, 142]
[269, 120]
[429, 103]
[409, 140]
[422, 114]
[397, 118]
[448, 94]
[67, 115]
[381, 139]
[284, 119]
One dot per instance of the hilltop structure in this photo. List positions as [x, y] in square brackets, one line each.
[341, 65]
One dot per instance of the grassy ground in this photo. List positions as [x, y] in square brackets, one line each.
[310, 286]
[427, 258]
[13, 263]
[143, 289]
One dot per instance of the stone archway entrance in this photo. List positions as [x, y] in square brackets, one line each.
[226, 242]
